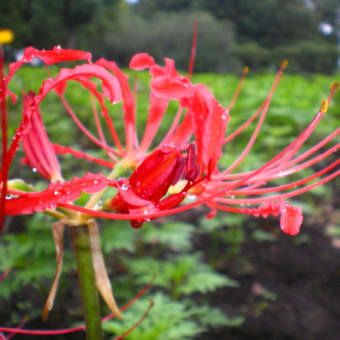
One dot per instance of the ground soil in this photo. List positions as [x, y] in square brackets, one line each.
[305, 279]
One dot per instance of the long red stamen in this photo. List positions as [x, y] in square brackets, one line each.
[238, 89]
[5, 162]
[193, 50]
[172, 128]
[259, 125]
[145, 314]
[64, 150]
[75, 329]
[86, 131]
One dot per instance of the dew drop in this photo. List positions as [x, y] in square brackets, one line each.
[291, 219]
[124, 187]
[191, 197]
[56, 192]
[34, 169]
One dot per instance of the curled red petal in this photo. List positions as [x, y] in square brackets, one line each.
[171, 88]
[141, 61]
[56, 55]
[110, 83]
[210, 120]
[49, 57]
[55, 194]
[39, 151]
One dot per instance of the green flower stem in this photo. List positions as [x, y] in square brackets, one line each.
[87, 283]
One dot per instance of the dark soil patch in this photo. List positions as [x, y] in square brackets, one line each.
[305, 279]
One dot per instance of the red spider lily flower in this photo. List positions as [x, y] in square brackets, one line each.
[200, 124]
[200, 121]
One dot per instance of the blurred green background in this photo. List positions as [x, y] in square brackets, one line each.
[230, 32]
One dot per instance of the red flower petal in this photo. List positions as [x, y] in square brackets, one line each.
[110, 82]
[49, 57]
[210, 123]
[151, 180]
[141, 61]
[56, 193]
[38, 149]
[129, 196]
[171, 88]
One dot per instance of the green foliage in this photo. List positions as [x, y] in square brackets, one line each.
[167, 320]
[30, 256]
[166, 35]
[170, 320]
[118, 236]
[174, 235]
[185, 274]
[230, 32]
[268, 31]
[263, 236]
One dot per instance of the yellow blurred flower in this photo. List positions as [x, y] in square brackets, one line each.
[6, 36]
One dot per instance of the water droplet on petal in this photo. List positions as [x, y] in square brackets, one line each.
[34, 169]
[291, 219]
[124, 187]
[56, 192]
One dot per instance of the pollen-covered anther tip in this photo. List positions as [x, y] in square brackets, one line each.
[324, 105]
[334, 86]
[284, 64]
[245, 70]
[178, 187]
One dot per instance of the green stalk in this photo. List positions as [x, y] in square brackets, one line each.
[87, 283]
